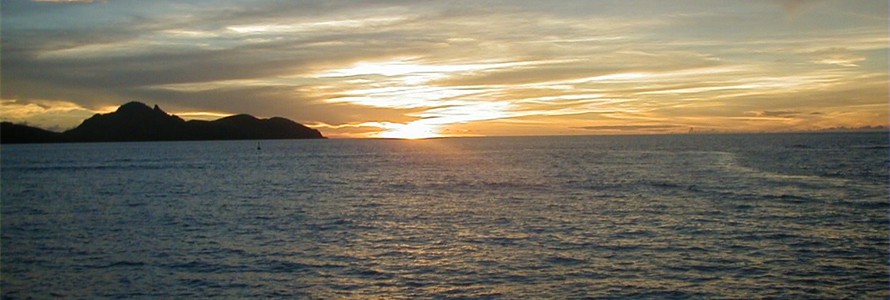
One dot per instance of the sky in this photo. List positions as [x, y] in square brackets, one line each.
[417, 69]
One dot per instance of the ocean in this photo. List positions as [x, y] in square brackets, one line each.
[651, 217]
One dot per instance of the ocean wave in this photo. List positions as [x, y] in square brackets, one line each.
[596, 217]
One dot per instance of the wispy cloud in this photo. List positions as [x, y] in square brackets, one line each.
[631, 127]
[779, 114]
[382, 68]
[51, 114]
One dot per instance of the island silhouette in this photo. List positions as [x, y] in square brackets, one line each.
[136, 121]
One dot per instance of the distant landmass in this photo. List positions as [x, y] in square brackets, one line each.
[136, 121]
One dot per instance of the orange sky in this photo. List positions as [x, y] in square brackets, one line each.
[414, 70]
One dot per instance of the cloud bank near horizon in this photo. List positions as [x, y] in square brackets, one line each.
[390, 68]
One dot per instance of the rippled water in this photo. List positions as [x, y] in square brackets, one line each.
[701, 216]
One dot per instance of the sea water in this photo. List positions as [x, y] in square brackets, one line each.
[672, 216]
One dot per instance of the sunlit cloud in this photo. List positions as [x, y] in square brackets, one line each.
[837, 56]
[13, 108]
[46, 113]
[428, 69]
[406, 66]
[202, 115]
[51, 114]
[220, 84]
[406, 86]
[346, 24]
[404, 97]
[631, 128]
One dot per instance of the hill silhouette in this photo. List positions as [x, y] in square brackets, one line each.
[15, 133]
[136, 121]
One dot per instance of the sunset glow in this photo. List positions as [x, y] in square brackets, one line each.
[409, 131]
[419, 70]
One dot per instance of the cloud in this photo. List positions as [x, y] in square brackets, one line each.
[631, 127]
[793, 7]
[775, 114]
[449, 65]
[49, 114]
[836, 56]
[66, 1]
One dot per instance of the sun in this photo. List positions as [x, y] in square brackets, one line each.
[410, 131]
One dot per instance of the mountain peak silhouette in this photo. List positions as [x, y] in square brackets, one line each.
[134, 106]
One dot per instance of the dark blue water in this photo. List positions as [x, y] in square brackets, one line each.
[683, 216]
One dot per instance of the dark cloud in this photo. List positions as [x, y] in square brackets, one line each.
[186, 56]
[25, 59]
[53, 51]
